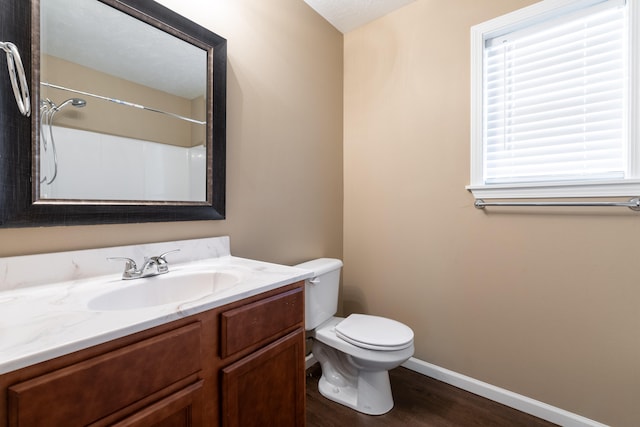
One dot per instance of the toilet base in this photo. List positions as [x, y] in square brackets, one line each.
[366, 391]
[370, 395]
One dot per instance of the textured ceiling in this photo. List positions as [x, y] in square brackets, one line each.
[347, 15]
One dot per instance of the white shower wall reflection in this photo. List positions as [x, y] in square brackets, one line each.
[95, 166]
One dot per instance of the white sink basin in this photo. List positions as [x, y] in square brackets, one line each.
[170, 288]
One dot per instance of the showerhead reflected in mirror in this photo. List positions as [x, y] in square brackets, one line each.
[48, 153]
[143, 134]
[76, 102]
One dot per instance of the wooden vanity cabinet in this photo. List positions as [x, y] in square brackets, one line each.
[241, 364]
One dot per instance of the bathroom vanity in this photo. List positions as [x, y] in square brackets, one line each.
[232, 358]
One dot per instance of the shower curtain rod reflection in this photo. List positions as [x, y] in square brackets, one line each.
[121, 102]
[633, 204]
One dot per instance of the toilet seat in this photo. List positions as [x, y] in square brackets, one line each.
[374, 332]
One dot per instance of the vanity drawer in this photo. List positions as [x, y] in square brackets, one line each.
[87, 391]
[261, 321]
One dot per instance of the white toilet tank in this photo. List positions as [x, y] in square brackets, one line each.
[321, 291]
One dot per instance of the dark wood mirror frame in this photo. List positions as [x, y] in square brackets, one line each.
[19, 22]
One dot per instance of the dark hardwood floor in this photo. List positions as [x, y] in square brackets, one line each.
[419, 402]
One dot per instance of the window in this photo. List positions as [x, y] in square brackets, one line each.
[553, 102]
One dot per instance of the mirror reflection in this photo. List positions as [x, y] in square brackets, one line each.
[122, 108]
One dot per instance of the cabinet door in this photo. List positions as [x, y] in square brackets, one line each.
[267, 387]
[180, 409]
[88, 391]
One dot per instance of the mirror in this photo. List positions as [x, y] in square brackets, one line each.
[128, 123]
[131, 129]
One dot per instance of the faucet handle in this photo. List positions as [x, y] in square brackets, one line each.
[162, 257]
[129, 263]
[161, 261]
[130, 267]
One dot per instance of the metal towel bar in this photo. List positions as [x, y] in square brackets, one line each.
[633, 204]
[17, 77]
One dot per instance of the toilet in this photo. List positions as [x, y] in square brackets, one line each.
[355, 353]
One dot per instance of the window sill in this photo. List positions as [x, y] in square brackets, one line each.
[626, 188]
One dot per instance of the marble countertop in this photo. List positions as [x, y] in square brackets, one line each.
[41, 322]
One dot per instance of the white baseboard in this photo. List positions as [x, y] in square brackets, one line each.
[500, 395]
[309, 361]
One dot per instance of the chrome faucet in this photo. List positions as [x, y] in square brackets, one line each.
[152, 266]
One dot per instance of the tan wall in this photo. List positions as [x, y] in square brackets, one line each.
[284, 141]
[542, 303]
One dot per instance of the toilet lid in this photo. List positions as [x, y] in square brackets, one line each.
[374, 333]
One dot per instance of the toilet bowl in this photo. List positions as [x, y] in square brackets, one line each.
[356, 352]
[354, 376]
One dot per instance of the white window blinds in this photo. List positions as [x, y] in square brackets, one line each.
[555, 99]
